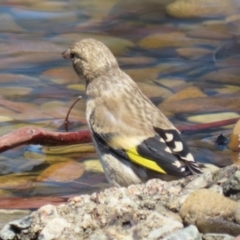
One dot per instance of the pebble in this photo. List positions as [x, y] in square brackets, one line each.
[143, 74]
[62, 172]
[151, 90]
[8, 23]
[93, 166]
[203, 8]
[193, 53]
[201, 104]
[212, 117]
[235, 138]
[186, 93]
[14, 91]
[61, 75]
[165, 40]
[188, 233]
[10, 215]
[217, 236]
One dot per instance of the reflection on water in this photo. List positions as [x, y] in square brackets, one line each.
[185, 56]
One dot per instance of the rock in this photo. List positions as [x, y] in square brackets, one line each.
[115, 212]
[204, 8]
[93, 165]
[202, 104]
[163, 40]
[77, 87]
[143, 211]
[212, 117]
[224, 174]
[9, 23]
[21, 181]
[158, 225]
[136, 61]
[231, 187]
[54, 229]
[215, 236]
[63, 172]
[173, 83]
[188, 233]
[233, 183]
[216, 188]
[206, 205]
[233, 23]
[11, 215]
[152, 90]
[168, 38]
[187, 93]
[143, 74]
[224, 76]
[8, 231]
[6, 119]
[14, 91]
[235, 138]
[193, 53]
[167, 213]
[213, 225]
[204, 180]
[212, 29]
[60, 75]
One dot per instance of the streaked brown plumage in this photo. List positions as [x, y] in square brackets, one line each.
[134, 140]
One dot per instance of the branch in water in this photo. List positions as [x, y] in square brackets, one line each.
[33, 135]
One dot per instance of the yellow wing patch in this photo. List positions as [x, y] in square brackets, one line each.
[136, 158]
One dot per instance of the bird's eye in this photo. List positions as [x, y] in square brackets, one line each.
[72, 55]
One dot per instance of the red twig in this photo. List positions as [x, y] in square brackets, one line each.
[66, 118]
[205, 126]
[33, 135]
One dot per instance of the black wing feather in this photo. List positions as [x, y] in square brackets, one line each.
[153, 149]
[183, 154]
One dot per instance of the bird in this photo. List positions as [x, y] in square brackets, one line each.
[133, 139]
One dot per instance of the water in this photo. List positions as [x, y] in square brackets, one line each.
[186, 60]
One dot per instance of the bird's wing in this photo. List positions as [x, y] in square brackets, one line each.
[178, 146]
[151, 149]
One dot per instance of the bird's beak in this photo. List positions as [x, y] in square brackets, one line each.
[66, 54]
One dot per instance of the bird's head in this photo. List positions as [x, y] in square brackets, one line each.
[90, 58]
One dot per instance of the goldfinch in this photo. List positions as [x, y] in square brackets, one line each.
[133, 139]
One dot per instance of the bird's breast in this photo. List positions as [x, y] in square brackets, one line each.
[90, 107]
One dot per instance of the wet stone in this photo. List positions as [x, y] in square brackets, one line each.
[216, 236]
[188, 233]
[151, 90]
[93, 166]
[62, 172]
[204, 8]
[193, 53]
[143, 74]
[218, 225]
[10, 215]
[235, 138]
[60, 75]
[207, 118]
